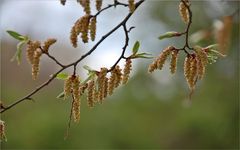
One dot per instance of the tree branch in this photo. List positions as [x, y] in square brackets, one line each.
[74, 64]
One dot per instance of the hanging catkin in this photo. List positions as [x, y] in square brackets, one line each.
[48, 43]
[93, 28]
[173, 63]
[90, 95]
[76, 99]
[126, 70]
[31, 47]
[183, 11]
[98, 4]
[35, 64]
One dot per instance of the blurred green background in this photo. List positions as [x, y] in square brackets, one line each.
[150, 112]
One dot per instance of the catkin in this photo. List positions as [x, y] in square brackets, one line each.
[183, 11]
[126, 71]
[86, 6]
[2, 131]
[101, 83]
[98, 5]
[63, 2]
[119, 76]
[48, 43]
[173, 64]
[80, 26]
[202, 61]
[163, 57]
[105, 87]
[68, 86]
[31, 47]
[201, 68]
[202, 55]
[112, 80]
[187, 67]
[73, 37]
[35, 64]
[131, 6]
[76, 98]
[90, 96]
[153, 66]
[95, 94]
[193, 73]
[93, 28]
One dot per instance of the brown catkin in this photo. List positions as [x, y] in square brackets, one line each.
[187, 67]
[31, 47]
[35, 64]
[112, 80]
[98, 5]
[183, 11]
[126, 70]
[173, 63]
[95, 94]
[105, 87]
[48, 43]
[90, 96]
[119, 76]
[163, 57]
[202, 61]
[153, 66]
[86, 6]
[85, 29]
[68, 86]
[131, 5]
[223, 34]
[80, 26]
[73, 37]
[201, 68]
[76, 98]
[202, 55]
[101, 83]
[2, 131]
[92, 28]
[193, 73]
[63, 2]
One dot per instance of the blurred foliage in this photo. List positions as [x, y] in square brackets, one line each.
[146, 113]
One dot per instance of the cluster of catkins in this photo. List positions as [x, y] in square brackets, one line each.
[86, 5]
[194, 65]
[85, 24]
[98, 87]
[183, 10]
[35, 51]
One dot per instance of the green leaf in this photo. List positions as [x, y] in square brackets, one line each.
[18, 55]
[88, 68]
[90, 77]
[142, 55]
[62, 76]
[136, 47]
[217, 53]
[16, 35]
[169, 35]
[213, 46]
[61, 95]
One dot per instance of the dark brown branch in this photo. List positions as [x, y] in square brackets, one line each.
[74, 63]
[187, 30]
[124, 47]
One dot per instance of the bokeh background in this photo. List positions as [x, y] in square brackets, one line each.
[150, 112]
